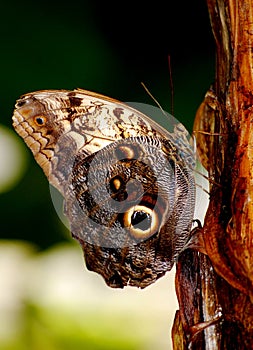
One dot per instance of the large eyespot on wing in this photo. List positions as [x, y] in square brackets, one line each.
[141, 221]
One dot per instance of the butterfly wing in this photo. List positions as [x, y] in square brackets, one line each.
[127, 182]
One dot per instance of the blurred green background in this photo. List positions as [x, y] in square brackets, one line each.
[109, 48]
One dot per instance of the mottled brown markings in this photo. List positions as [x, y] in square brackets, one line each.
[21, 103]
[122, 131]
[118, 112]
[71, 94]
[125, 134]
[75, 101]
[71, 113]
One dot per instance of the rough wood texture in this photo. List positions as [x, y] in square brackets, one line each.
[226, 149]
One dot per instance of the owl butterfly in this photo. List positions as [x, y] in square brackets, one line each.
[128, 183]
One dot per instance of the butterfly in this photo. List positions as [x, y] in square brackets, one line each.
[127, 182]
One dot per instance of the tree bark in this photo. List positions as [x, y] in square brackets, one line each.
[215, 291]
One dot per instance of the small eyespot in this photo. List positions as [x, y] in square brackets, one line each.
[116, 184]
[40, 120]
[141, 221]
[117, 189]
[126, 152]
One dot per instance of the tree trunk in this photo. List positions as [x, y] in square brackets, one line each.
[215, 291]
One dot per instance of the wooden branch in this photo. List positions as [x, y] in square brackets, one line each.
[226, 149]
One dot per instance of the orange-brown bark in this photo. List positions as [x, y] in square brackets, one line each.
[226, 149]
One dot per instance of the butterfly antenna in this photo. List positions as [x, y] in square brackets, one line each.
[153, 98]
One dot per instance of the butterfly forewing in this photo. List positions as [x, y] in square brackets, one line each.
[128, 183]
